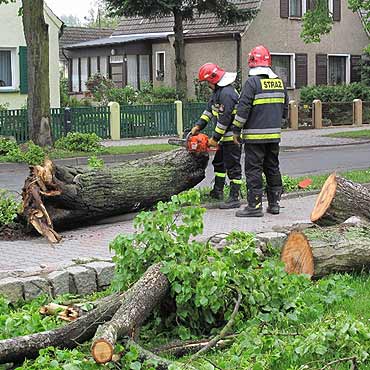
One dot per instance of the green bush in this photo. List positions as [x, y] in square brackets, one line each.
[337, 93]
[79, 142]
[34, 154]
[124, 96]
[29, 152]
[7, 145]
[9, 208]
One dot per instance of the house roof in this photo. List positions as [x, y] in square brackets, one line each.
[75, 35]
[201, 25]
[120, 39]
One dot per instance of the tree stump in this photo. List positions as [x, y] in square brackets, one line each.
[340, 199]
[319, 252]
[57, 197]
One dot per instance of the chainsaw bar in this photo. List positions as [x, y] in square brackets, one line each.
[178, 142]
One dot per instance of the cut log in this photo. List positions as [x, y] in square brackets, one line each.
[139, 302]
[340, 199]
[68, 336]
[57, 197]
[318, 252]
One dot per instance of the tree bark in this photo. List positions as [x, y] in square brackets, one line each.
[180, 61]
[66, 197]
[139, 302]
[68, 336]
[318, 252]
[36, 32]
[340, 199]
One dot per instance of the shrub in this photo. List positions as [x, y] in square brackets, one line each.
[33, 154]
[337, 93]
[127, 95]
[9, 208]
[98, 85]
[80, 142]
[28, 152]
[7, 145]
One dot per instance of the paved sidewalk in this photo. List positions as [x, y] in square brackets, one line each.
[295, 139]
[35, 254]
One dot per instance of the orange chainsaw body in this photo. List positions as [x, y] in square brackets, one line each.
[198, 143]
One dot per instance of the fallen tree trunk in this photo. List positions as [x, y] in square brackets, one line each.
[68, 336]
[139, 302]
[319, 252]
[57, 197]
[340, 199]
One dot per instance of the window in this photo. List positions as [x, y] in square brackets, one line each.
[338, 69]
[159, 65]
[7, 75]
[144, 68]
[295, 8]
[132, 71]
[75, 75]
[283, 66]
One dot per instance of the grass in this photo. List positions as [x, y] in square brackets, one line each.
[361, 134]
[291, 183]
[112, 150]
[357, 306]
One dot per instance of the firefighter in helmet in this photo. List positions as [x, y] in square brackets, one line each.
[221, 111]
[262, 106]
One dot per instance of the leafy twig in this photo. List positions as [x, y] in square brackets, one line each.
[223, 332]
[353, 359]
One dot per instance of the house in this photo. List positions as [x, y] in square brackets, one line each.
[142, 49]
[13, 57]
[75, 35]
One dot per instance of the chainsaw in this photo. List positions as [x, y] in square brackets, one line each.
[194, 143]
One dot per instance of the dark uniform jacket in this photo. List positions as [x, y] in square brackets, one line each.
[221, 110]
[262, 106]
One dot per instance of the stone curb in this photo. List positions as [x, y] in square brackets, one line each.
[82, 279]
[89, 277]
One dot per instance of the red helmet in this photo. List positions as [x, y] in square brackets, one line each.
[259, 57]
[210, 72]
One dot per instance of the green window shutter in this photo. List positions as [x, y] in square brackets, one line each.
[23, 73]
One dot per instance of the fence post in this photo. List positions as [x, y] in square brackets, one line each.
[179, 118]
[115, 121]
[293, 115]
[357, 112]
[67, 121]
[317, 113]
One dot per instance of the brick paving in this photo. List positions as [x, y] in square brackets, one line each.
[93, 241]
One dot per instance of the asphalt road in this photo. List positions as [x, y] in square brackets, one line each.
[293, 162]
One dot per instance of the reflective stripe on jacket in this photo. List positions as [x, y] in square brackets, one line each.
[262, 106]
[221, 109]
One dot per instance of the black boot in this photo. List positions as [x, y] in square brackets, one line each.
[218, 189]
[254, 208]
[273, 198]
[233, 201]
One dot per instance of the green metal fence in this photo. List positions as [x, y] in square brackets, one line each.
[148, 120]
[14, 123]
[191, 114]
[84, 119]
[91, 119]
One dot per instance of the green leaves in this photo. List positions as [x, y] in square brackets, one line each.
[9, 208]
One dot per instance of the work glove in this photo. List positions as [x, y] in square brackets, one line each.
[212, 142]
[195, 130]
[236, 138]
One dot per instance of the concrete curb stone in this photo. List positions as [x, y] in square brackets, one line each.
[35, 286]
[59, 282]
[104, 272]
[81, 280]
[12, 289]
